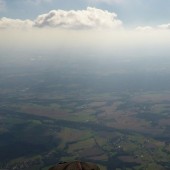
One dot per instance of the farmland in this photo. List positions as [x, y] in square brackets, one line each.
[49, 117]
[113, 131]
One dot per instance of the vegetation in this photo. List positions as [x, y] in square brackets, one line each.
[70, 117]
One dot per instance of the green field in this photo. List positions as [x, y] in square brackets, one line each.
[118, 120]
[123, 131]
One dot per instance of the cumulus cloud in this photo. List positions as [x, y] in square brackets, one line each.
[164, 26]
[144, 28]
[91, 18]
[151, 29]
[7, 23]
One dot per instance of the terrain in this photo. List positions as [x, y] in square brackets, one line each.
[115, 116]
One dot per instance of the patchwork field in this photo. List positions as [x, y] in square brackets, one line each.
[122, 131]
[118, 120]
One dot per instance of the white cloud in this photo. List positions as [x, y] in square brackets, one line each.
[145, 28]
[155, 28]
[7, 23]
[91, 18]
[2, 5]
[164, 26]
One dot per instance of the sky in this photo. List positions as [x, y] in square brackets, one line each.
[116, 26]
[131, 12]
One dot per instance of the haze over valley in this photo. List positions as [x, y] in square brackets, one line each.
[88, 81]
